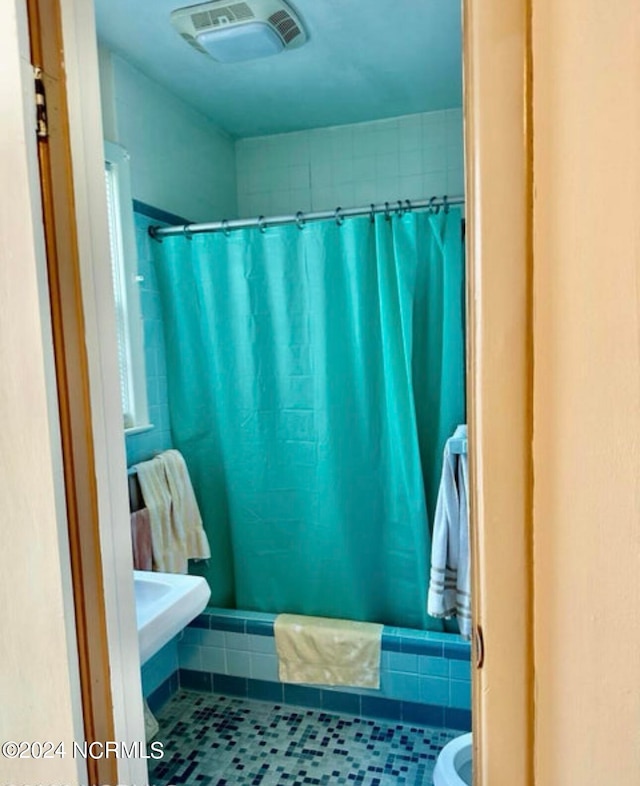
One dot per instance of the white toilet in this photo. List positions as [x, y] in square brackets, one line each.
[453, 765]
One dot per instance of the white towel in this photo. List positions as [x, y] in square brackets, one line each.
[184, 509]
[167, 542]
[325, 651]
[450, 587]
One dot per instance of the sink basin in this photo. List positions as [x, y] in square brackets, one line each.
[165, 604]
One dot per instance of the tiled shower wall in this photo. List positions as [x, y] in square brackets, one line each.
[143, 445]
[411, 157]
[180, 161]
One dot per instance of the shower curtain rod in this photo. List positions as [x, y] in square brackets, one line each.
[399, 207]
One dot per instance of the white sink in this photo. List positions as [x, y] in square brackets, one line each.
[165, 604]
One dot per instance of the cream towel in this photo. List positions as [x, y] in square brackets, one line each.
[167, 543]
[324, 651]
[185, 512]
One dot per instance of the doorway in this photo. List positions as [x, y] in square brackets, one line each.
[485, 432]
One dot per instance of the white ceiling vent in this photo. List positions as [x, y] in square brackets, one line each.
[230, 32]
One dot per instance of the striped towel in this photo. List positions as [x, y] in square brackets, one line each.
[450, 586]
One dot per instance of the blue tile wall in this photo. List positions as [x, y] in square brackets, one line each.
[161, 695]
[145, 444]
[159, 668]
[425, 677]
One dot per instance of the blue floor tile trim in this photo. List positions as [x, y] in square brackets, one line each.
[364, 706]
[212, 740]
[303, 696]
[266, 691]
[231, 686]
[423, 714]
[457, 719]
[196, 680]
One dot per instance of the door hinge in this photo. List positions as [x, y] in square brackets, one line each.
[42, 128]
[479, 646]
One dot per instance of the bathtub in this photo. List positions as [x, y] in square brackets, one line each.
[425, 676]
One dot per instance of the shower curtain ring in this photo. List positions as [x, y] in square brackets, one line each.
[300, 219]
[387, 214]
[433, 208]
[400, 210]
[225, 227]
[261, 224]
[153, 233]
[409, 205]
[187, 232]
[445, 204]
[372, 213]
[339, 217]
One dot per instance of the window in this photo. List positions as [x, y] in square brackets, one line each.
[124, 265]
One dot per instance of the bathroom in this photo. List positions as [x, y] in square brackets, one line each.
[370, 130]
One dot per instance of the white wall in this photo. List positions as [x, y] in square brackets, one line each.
[180, 161]
[409, 157]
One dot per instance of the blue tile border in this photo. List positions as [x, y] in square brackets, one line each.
[201, 621]
[157, 214]
[394, 639]
[302, 696]
[423, 714]
[229, 624]
[161, 695]
[265, 691]
[336, 701]
[457, 651]
[390, 643]
[457, 719]
[355, 704]
[260, 627]
[424, 647]
[230, 686]
[196, 680]
[386, 709]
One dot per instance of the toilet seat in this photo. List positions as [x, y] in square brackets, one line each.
[453, 766]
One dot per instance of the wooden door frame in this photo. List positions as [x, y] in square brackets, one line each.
[499, 190]
[63, 45]
[497, 71]
[67, 320]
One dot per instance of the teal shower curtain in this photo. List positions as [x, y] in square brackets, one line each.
[314, 375]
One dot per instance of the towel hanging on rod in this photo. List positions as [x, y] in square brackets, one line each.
[458, 443]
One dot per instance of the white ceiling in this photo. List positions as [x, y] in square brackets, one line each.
[364, 60]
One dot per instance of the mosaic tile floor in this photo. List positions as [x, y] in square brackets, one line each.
[212, 740]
